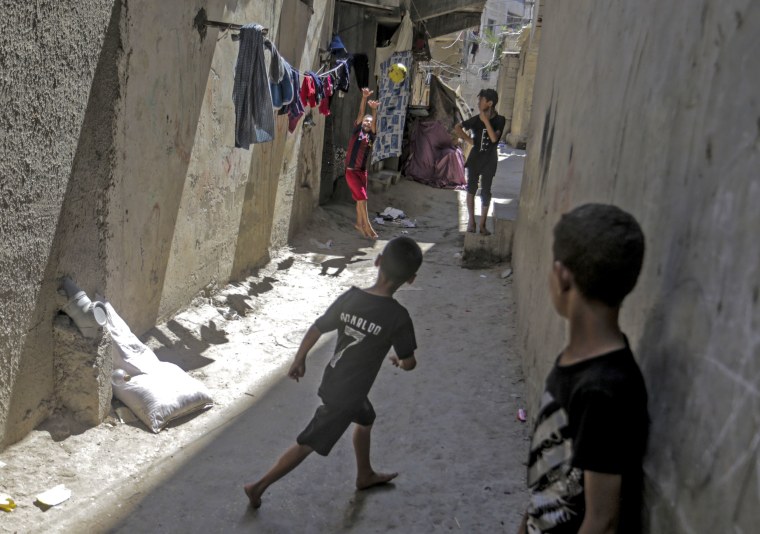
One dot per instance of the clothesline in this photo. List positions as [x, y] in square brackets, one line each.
[228, 26]
[237, 27]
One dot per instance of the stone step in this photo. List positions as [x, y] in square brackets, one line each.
[497, 247]
[383, 179]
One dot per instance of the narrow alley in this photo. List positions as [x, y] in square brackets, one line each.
[186, 186]
[449, 427]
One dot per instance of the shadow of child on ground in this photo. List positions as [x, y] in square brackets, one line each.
[340, 264]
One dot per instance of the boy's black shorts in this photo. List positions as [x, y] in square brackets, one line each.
[329, 423]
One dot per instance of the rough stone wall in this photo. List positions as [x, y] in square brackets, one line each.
[654, 107]
[49, 54]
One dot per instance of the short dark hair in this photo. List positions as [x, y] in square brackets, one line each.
[489, 94]
[603, 246]
[402, 256]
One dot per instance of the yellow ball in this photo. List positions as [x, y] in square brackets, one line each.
[397, 72]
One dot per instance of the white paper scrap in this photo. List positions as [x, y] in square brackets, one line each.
[54, 496]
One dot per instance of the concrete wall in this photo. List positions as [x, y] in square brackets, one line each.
[118, 168]
[654, 107]
[523, 96]
[49, 54]
[507, 87]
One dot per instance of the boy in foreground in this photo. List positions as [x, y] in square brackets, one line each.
[486, 127]
[584, 466]
[369, 321]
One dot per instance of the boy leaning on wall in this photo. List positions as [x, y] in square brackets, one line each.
[584, 465]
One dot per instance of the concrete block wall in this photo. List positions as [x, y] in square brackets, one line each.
[654, 107]
[118, 169]
[83, 370]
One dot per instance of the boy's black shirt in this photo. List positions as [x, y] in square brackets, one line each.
[593, 416]
[368, 325]
[483, 155]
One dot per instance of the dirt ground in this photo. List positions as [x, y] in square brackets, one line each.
[449, 427]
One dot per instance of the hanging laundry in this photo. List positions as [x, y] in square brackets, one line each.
[324, 106]
[283, 92]
[394, 98]
[254, 120]
[361, 70]
[276, 63]
[342, 75]
[295, 109]
[309, 91]
[337, 48]
[318, 85]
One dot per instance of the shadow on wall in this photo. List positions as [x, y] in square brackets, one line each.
[78, 246]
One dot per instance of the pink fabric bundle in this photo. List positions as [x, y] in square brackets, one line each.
[434, 160]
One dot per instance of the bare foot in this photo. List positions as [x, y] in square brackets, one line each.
[471, 228]
[254, 494]
[361, 230]
[484, 231]
[375, 479]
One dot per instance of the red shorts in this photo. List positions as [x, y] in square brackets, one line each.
[357, 183]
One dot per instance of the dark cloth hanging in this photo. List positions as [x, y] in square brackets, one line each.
[276, 63]
[254, 120]
[295, 109]
[318, 85]
[361, 69]
[343, 75]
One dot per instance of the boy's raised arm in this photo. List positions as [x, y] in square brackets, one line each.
[298, 367]
[373, 105]
[366, 92]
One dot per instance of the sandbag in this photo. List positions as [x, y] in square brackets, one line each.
[165, 393]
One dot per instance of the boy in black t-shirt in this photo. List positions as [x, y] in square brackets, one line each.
[369, 321]
[584, 466]
[487, 128]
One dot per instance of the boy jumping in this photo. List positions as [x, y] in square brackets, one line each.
[357, 156]
[584, 466]
[487, 128]
[369, 321]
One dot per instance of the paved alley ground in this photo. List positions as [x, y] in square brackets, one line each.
[449, 427]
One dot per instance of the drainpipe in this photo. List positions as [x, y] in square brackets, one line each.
[89, 316]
